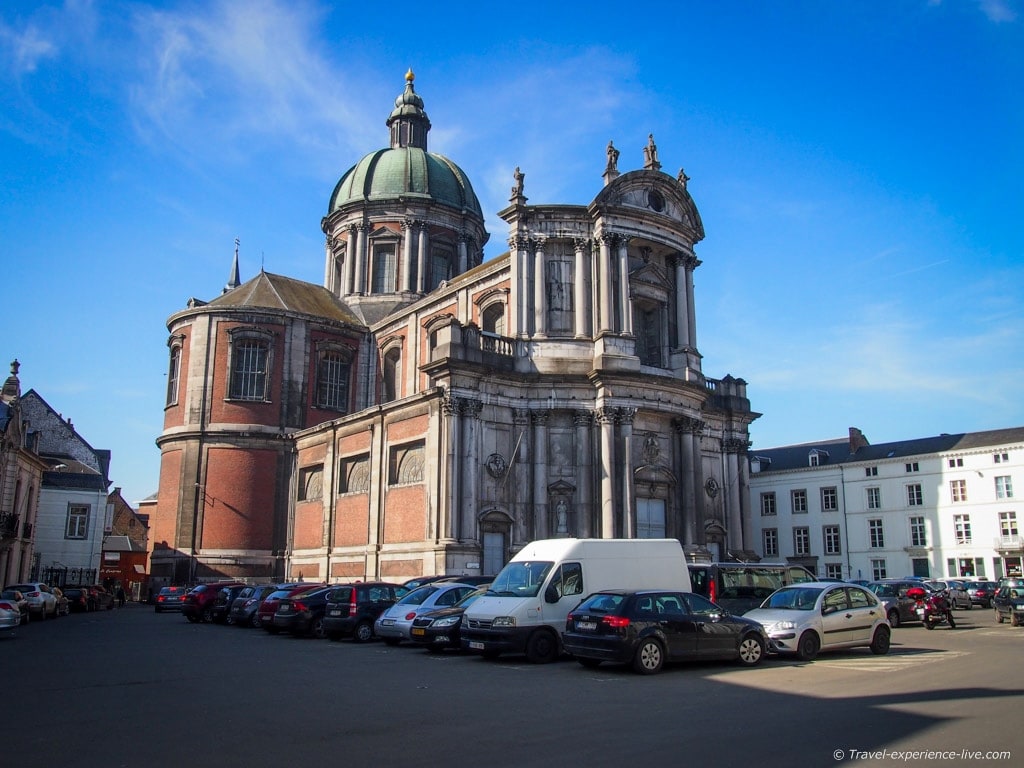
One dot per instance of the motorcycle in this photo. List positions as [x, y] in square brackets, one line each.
[932, 610]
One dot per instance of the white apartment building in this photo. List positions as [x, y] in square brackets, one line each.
[939, 506]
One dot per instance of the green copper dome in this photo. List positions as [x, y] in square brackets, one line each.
[406, 171]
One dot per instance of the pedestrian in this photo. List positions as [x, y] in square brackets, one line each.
[120, 596]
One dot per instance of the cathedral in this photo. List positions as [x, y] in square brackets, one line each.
[425, 411]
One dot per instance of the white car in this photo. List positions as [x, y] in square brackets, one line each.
[803, 619]
[395, 624]
[41, 600]
[10, 616]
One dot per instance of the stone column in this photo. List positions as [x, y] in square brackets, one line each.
[540, 474]
[351, 248]
[361, 245]
[692, 262]
[463, 253]
[626, 416]
[604, 323]
[682, 305]
[520, 477]
[518, 317]
[408, 230]
[421, 259]
[453, 459]
[686, 429]
[470, 469]
[625, 300]
[731, 447]
[606, 418]
[584, 472]
[539, 289]
[582, 309]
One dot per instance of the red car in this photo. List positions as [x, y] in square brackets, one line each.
[269, 606]
[198, 603]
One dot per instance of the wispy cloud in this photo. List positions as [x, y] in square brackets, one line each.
[23, 49]
[999, 11]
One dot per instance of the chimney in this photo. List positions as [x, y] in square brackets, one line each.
[857, 440]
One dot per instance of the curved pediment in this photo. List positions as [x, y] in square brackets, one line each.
[656, 194]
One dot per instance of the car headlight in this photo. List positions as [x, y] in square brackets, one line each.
[504, 621]
[779, 626]
[448, 621]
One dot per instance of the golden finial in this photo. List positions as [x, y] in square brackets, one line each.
[409, 76]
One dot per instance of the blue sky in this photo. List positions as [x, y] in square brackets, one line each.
[857, 165]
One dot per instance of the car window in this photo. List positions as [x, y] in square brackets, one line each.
[794, 598]
[835, 600]
[645, 606]
[601, 603]
[670, 605]
[859, 598]
[418, 596]
[701, 606]
[568, 580]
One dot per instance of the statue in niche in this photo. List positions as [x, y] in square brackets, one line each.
[562, 517]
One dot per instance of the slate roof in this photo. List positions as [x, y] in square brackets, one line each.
[278, 292]
[791, 457]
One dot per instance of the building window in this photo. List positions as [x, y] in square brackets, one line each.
[915, 496]
[441, 269]
[802, 541]
[647, 325]
[833, 545]
[956, 462]
[332, 379]
[249, 365]
[1001, 458]
[1004, 487]
[173, 372]
[1007, 524]
[406, 465]
[560, 296]
[876, 535]
[918, 537]
[392, 375]
[962, 528]
[912, 466]
[78, 522]
[354, 475]
[871, 471]
[799, 502]
[770, 540]
[829, 499]
[958, 490]
[878, 570]
[833, 570]
[384, 269]
[768, 504]
[874, 498]
[311, 483]
[492, 319]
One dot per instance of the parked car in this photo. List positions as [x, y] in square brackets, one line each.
[20, 602]
[269, 605]
[473, 581]
[245, 607]
[419, 581]
[170, 599]
[41, 600]
[739, 587]
[648, 628]
[395, 624]
[353, 608]
[982, 592]
[78, 599]
[100, 598]
[220, 613]
[303, 613]
[441, 628]
[955, 592]
[1008, 602]
[10, 616]
[63, 604]
[821, 616]
[198, 602]
[893, 593]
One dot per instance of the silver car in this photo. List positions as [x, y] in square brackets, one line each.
[954, 591]
[41, 600]
[804, 619]
[395, 624]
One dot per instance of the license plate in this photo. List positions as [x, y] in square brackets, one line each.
[335, 613]
[387, 622]
[419, 631]
[475, 645]
[586, 626]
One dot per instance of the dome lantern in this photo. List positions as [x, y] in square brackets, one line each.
[408, 121]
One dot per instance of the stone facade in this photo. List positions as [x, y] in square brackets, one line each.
[426, 411]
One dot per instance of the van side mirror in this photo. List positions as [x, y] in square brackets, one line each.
[551, 594]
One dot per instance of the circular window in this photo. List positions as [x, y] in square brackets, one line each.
[655, 200]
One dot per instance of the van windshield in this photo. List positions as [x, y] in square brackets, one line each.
[520, 579]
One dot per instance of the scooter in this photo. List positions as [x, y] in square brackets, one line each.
[932, 610]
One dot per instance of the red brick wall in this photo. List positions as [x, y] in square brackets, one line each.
[309, 524]
[407, 429]
[240, 492]
[406, 518]
[174, 415]
[316, 415]
[245, 412]
[350, 522]
[164, 514]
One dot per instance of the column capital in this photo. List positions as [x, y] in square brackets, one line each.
[540, 418]
[607, 415]
[626, 416]
[582, 418]
[471, 407]
[735, 445]
[521, 416]
[519, 242]
[688, 425]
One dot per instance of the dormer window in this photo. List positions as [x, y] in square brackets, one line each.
[816, 458]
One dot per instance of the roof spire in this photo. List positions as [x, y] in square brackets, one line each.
[233, 281]
[408, 121]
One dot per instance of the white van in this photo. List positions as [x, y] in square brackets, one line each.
[525, 608]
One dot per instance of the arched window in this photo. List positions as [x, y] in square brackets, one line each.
[384, 269]
[392, 375]
[647, 325]
[333, 374]
[492, 319]
[440, 267]
[173, 373]
[250, 365]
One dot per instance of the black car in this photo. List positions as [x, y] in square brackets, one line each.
[352, 608]
[982, 592]
[170, 599]
[648, 628]
[1008, 602]
[220, 612]
[303, 614]
[441, 629]
[245, 607]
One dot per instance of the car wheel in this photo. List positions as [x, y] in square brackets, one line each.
[589, 663]
[541, 648]
[894, 618]
[363, 632]
[649, 657]
[1014, 619]
[208, 616]
[999, 616]
[254, 620]
[317, 628]
[880, 642]
[751, 651]
[808, 646]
